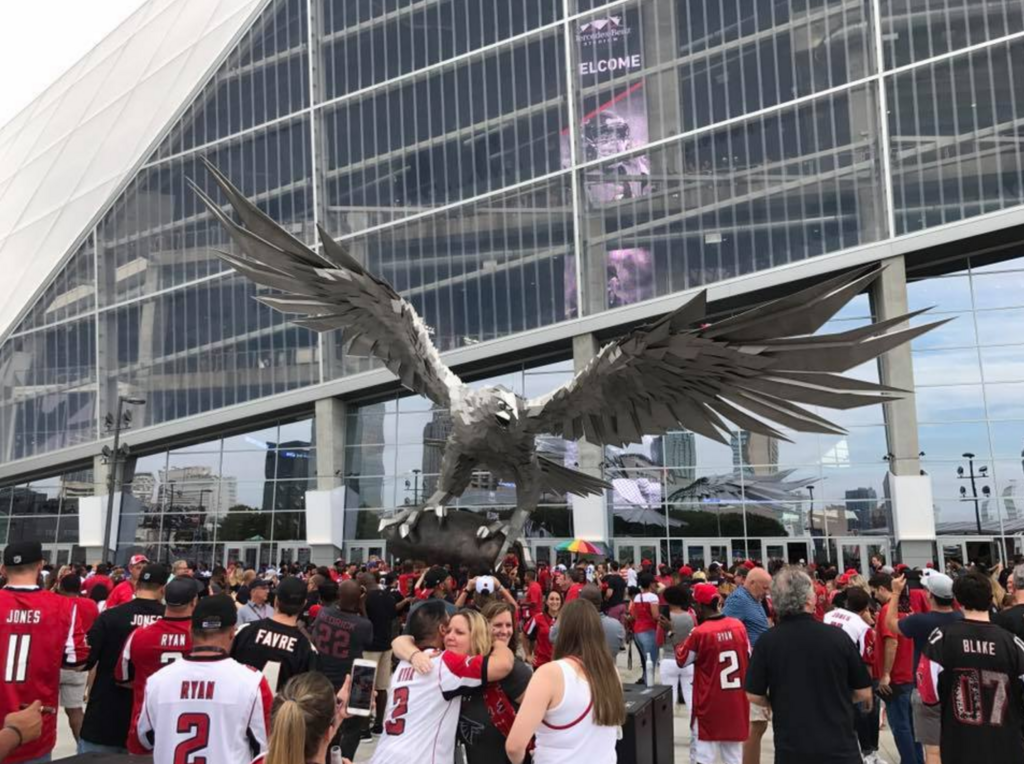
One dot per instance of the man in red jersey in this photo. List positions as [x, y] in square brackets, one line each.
[719, 649]
[72, 682]
[125, 590]
[99, 577]
[152, 647]
[39, 632]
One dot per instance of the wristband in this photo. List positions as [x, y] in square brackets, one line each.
[17, 732]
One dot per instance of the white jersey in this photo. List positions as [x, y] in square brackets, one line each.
[568, 732]
[205, 709]
[423, 710]
[854, 627]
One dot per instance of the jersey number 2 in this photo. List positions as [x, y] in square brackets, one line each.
[729, 675]
[396, 724]
[16, 664]
[198, 726]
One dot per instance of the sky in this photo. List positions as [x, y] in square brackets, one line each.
[42, 39]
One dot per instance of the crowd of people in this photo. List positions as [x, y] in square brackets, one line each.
[228, 665]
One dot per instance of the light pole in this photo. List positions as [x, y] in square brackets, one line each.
[985, 490]
[415, 487]
[114, 458]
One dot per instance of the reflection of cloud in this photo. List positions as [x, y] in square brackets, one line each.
[838, 455]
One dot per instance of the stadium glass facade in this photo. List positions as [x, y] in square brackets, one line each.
[527, 165]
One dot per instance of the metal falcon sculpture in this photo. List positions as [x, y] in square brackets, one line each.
[752, 369]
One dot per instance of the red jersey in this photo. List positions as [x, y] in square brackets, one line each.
[534, 600]
[903, 666]
[539, 631]
[147, 651]
[88, 611]
[574, 592]
[40, 632]
[97, 580]
[720, 651]
[123, 592]
[820, 600]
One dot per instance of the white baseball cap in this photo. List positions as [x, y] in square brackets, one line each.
[486, 584]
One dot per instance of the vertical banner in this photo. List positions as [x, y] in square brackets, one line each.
[613, 106]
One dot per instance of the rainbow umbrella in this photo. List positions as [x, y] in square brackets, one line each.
[582, 546]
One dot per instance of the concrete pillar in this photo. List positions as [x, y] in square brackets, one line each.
[100, 472]
[330, 464]
[590, 516]
[913, 514]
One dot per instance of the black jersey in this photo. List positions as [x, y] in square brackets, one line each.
[975, 670]
[266, 642]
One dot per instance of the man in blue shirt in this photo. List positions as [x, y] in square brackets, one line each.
[746, 605]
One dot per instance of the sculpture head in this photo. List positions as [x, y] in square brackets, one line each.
[499, 405]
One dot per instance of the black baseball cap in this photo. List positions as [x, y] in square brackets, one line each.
[435, 577]
[213, 613]
[154, 574]
[291, 591]
[259, 583]
[181, 591]
[23, 553]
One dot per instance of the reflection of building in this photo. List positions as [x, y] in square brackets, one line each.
[678, 452]
[185, 488]
[861, 502]
[435, 435]
[753, 453]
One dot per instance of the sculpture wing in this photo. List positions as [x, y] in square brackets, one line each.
[335, 292]
[759, 365]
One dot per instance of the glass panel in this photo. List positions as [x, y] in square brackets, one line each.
[914, 31]
[482, 271]
[49, 399]
[366, 42]
[455, 133]
[71, 293]
[946, 367]
[953, 128]
[158, 234]
[216, 347]
[265, 77]
[998, 290]
[775, 189]
[740, 57]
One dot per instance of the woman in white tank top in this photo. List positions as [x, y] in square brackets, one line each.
[574, 705]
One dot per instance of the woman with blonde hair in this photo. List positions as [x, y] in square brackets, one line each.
[486, 719]
[574, 705]
[304, 718]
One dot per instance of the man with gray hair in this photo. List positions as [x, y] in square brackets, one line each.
[808, 673]
[1012, 619]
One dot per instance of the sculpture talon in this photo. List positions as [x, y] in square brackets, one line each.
[757, 368]
[486, 531]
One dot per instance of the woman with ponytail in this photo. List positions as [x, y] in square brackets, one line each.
[304, 719]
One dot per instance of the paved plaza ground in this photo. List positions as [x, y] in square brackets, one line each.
[66, 745]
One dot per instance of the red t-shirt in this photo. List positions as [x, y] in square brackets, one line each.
[123, 592]
[574, 592]
[147, 651]
[405, 582]
[720, 652]
[643, 620]
[39, 633]
[88, 611]
[902, 667]
[96, 580]
[544, 579]
[919, 601]
[539, 630]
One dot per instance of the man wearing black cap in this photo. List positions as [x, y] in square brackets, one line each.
[109, 711]
[208, 706]
[435, 582]
[276, 646]
[39, 632]
[257, 608]
[152, 647]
